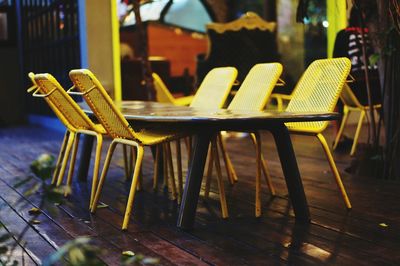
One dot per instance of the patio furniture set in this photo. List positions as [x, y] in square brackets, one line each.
[138, 124]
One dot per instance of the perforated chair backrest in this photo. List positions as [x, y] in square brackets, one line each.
[60, 116]
[67, 110]
[257, 87]
[318, 90]
[162, 92]
[101, 104]
[215, 88]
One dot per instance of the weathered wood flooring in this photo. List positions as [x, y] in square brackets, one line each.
[335, 236]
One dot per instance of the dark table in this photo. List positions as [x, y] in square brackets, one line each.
[204, 124]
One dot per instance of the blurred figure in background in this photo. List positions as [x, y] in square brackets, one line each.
[349, 44]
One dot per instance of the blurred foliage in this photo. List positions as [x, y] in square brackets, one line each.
[78, 252]
[43, 166]
[81, 251]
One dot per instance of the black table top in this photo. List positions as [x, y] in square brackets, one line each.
[146, 111]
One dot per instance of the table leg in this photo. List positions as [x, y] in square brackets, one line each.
[85, 154]
[291, 172]
[191, 193]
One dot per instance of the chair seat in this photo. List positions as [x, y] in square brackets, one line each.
[183, 101]
[155, 136]
[306, 127]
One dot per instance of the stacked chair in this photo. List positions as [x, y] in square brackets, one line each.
[119, 129]
[76, 123]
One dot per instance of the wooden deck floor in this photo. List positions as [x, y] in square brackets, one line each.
[335, 236]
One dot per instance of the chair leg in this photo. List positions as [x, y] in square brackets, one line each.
[103, 175]
[358, 130]
[165, 167]
[346, 113]
[60, 157]
[334, 170]
[64, 163]
[140, 180]
[209, 172]
[257, 145]
[126, 163]
[135, 178]
[179, 166]
[171, 170]
[96, 168]
[267, 176]
[256, 138]
[156, 160]
[72, 165]
[230, 171]
[222, 198]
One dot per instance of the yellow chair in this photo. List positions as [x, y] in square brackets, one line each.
[119, 129]
[212, 93]
[215, 88]
[252, 95]
[76, 122]
[318, 90]
[280, 99]
[351, 103]
[164, 96]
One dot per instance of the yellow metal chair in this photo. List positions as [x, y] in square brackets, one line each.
[212, 93]
[76, 122]
[318, 90]
[280, 99]
[351, 103]
[252, 95]
[164, 96]
[119, 129]
[215, 88]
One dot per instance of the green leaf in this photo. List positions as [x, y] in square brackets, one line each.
[102, 206]
[76, 256]
[373, 59]
[65, 249]
[128, 253]
[34, 211]
[34, 221]
[43, 166]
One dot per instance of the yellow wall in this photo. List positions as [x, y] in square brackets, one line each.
[336, 14]
[103, 44]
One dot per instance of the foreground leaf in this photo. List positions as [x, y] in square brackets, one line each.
[34, 211]
[128, 253]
